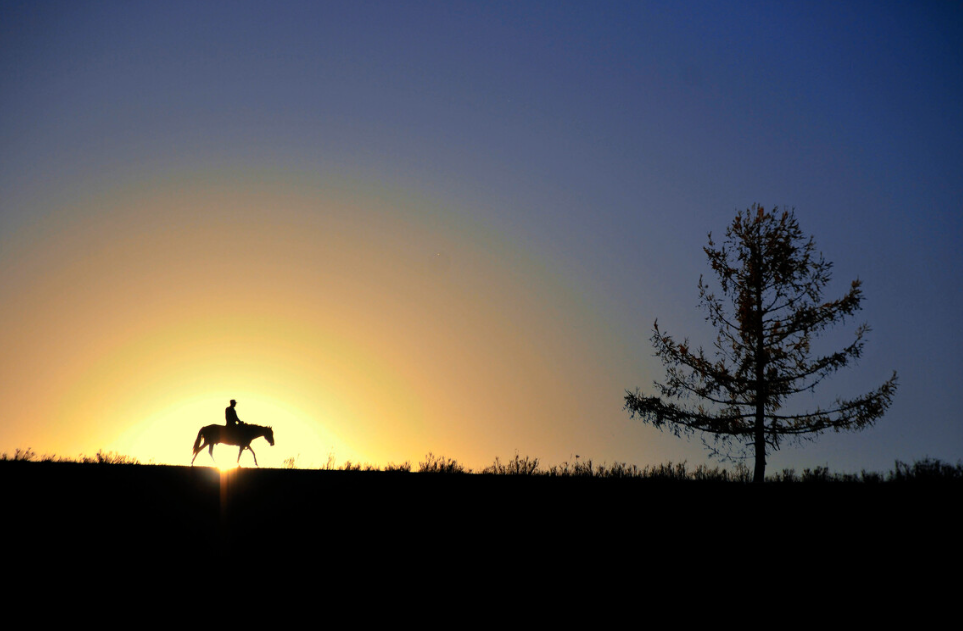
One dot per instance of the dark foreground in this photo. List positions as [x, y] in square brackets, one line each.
[65, 511]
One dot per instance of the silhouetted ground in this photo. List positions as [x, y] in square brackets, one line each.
[433, 524]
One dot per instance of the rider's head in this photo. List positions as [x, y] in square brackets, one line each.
[233, 402]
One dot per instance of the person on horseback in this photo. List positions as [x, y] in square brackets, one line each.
[237, 433]
[230, 414]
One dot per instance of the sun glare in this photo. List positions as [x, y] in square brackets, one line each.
[356, 340]
[167, 437]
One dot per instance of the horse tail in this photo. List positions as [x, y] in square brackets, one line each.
[197, 443]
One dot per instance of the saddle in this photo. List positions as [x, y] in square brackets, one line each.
[232, 432]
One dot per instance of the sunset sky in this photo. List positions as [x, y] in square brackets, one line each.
[394, 228]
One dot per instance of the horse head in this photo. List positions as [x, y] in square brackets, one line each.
[269, 435]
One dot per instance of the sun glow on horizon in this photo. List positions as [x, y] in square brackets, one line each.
[167, 437]
[362, 326]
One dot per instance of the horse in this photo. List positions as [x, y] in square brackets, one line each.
[240, 435]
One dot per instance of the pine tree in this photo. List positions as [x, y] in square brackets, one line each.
[769, 311]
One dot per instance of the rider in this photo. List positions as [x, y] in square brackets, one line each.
[231, 415]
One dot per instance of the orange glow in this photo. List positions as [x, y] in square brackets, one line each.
[361, 326]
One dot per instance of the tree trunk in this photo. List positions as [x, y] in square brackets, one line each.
[759, 434]
[760, 442]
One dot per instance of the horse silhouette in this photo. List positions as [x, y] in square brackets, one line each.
[240, 435]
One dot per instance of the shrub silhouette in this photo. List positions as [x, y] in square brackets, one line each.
[516, 466]
[927, 470]
[20, 455]
[440, 464]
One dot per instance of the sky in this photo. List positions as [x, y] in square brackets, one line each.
[394, 228]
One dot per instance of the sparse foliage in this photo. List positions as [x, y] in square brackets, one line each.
[770, 309]
[102, 457]
[357, 466]
[927, 470]
[519, 465]
[20, 455]
[440, 464]
[110, 457]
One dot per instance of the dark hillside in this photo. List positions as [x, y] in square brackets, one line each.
[118, 512]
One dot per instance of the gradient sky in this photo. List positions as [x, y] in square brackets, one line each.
[389, 228]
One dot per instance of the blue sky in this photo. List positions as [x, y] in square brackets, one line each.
[566, 160]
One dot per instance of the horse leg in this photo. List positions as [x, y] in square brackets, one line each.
[255, 457]
[239, 452]
[199, 444]
[198, 448]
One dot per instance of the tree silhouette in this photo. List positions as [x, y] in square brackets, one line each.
[770, 309]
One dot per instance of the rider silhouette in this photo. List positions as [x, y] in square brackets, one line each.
[231, 415]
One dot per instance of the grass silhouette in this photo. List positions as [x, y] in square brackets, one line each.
[925, 470]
